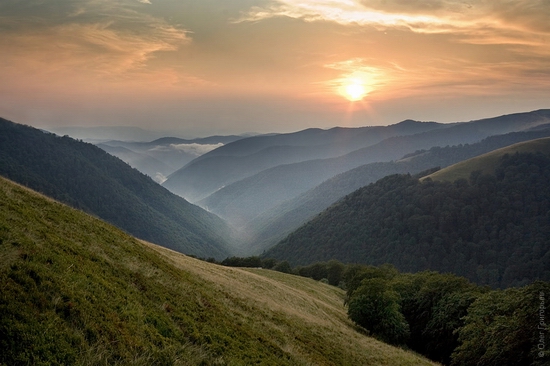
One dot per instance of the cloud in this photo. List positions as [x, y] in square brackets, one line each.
[482, 21]
[193, 149]
[101, 39]
[160, 178]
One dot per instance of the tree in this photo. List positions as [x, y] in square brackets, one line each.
[375, 306]
[335, 270]
[506, 328]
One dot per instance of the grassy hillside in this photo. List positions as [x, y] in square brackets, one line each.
[86, 177]
[76, 290]
[487, 162]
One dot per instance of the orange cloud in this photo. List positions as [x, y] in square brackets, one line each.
[486, 19]
[90, 41]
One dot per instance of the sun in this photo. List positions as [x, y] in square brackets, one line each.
[354, 88]
[355, 91]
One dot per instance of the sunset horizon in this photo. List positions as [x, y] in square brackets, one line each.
[203, 67]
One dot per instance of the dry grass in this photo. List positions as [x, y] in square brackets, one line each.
[297, 311]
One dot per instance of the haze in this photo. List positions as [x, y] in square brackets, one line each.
[231, 66]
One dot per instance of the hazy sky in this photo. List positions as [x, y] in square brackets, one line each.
[230, 66]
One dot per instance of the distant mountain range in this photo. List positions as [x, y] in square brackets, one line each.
[250, 182]
[492, 228]
[264, 186]
[161, 157]
[271, 226]
[96, 134]
[86, 177]
[246, 157]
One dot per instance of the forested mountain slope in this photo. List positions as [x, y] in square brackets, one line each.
[86, 177]
[240, 159]
[493, 229]
[267, 229]
[244, 200]
[78, 291]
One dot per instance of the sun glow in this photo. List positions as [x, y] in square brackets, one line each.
[357, 79]
[355, 91]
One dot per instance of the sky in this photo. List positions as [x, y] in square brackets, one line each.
[207, 67]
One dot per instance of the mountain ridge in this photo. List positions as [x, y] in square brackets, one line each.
[243, 158]
[269, 228]
[244, 200]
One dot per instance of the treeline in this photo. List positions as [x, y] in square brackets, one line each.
[441, 316]
[449, 319]
[330, 272]
[492, 229]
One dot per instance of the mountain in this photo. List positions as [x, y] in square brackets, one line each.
[270, 227]
[143, 162]
[243, 158]
[246, 199]
[104, 133]
[76, 290]
[492, 229]
[86, 177]
[161, 157]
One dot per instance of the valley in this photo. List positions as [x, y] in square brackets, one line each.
[155, 266]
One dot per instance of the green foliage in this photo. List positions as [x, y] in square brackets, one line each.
[283, 266]
[450, 320]
[433, 304]
[375, 306]
[506, 328]
[87, 178]
[493, 229]
[250, 262]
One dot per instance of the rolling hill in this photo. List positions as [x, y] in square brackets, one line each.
[243, 200]
[86, 177]
[492, 229]
[240, 159]
[76, 290]
[270, 227]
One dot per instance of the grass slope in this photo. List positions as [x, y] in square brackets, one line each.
[486, 163]
[86, 177]
[76, 290]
